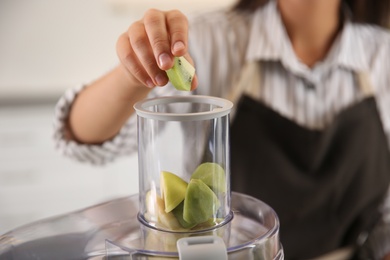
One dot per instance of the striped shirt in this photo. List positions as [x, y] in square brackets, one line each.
[221, 42]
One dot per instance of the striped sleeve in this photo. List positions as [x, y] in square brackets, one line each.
[124, 143]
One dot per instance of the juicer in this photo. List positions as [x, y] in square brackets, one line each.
[187, 137]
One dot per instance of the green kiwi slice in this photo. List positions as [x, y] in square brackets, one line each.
[181, 74]
[200, 203]
[178, 212]
[212, 174]
[173, 190]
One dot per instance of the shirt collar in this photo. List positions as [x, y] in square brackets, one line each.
[269, 41]
[349, 52]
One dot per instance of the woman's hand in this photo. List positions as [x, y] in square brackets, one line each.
[147, 49]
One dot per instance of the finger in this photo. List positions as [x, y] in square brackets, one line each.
[156, 29]
[141, 46]
[177, 24]
[129, 60]
[194, 83]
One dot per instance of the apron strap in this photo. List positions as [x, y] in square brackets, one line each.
[249, 82]
[364, 84]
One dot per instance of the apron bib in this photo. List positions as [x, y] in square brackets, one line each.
[326, 186]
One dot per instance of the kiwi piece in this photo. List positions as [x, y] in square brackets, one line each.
[173, 189]
[212, 174]
[200, 203]
[178, 212]
[181, 74]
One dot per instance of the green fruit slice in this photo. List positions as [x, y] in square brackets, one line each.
[173, 189]
[181, 74]
[178, 212]
[200, 202]
[212, 174]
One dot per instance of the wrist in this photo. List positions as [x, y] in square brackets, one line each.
[130, 87]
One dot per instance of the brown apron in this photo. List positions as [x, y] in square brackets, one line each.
[326, 186]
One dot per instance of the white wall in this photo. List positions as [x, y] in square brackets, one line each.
[49, 45]
[37, 182]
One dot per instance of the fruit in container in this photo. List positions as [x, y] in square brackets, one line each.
[178, 212]
[173, 189]
[184, 206]
[212, 174]
[200, 203]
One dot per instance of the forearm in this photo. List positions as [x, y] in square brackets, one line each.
[100, 110]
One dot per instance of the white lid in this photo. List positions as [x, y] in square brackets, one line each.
[223, 107]
[202, 247]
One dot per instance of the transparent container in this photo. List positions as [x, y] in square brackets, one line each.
[184, 173]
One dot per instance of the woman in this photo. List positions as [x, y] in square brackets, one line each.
[312, 88]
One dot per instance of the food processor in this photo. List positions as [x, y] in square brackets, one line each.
[185, 208]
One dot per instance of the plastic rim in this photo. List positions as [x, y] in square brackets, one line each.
[224, 107]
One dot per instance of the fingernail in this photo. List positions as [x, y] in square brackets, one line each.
[164, 60]
[161, 79]
[150, 83]
[178, 46]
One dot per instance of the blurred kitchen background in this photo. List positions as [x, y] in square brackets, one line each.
[47, 46]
